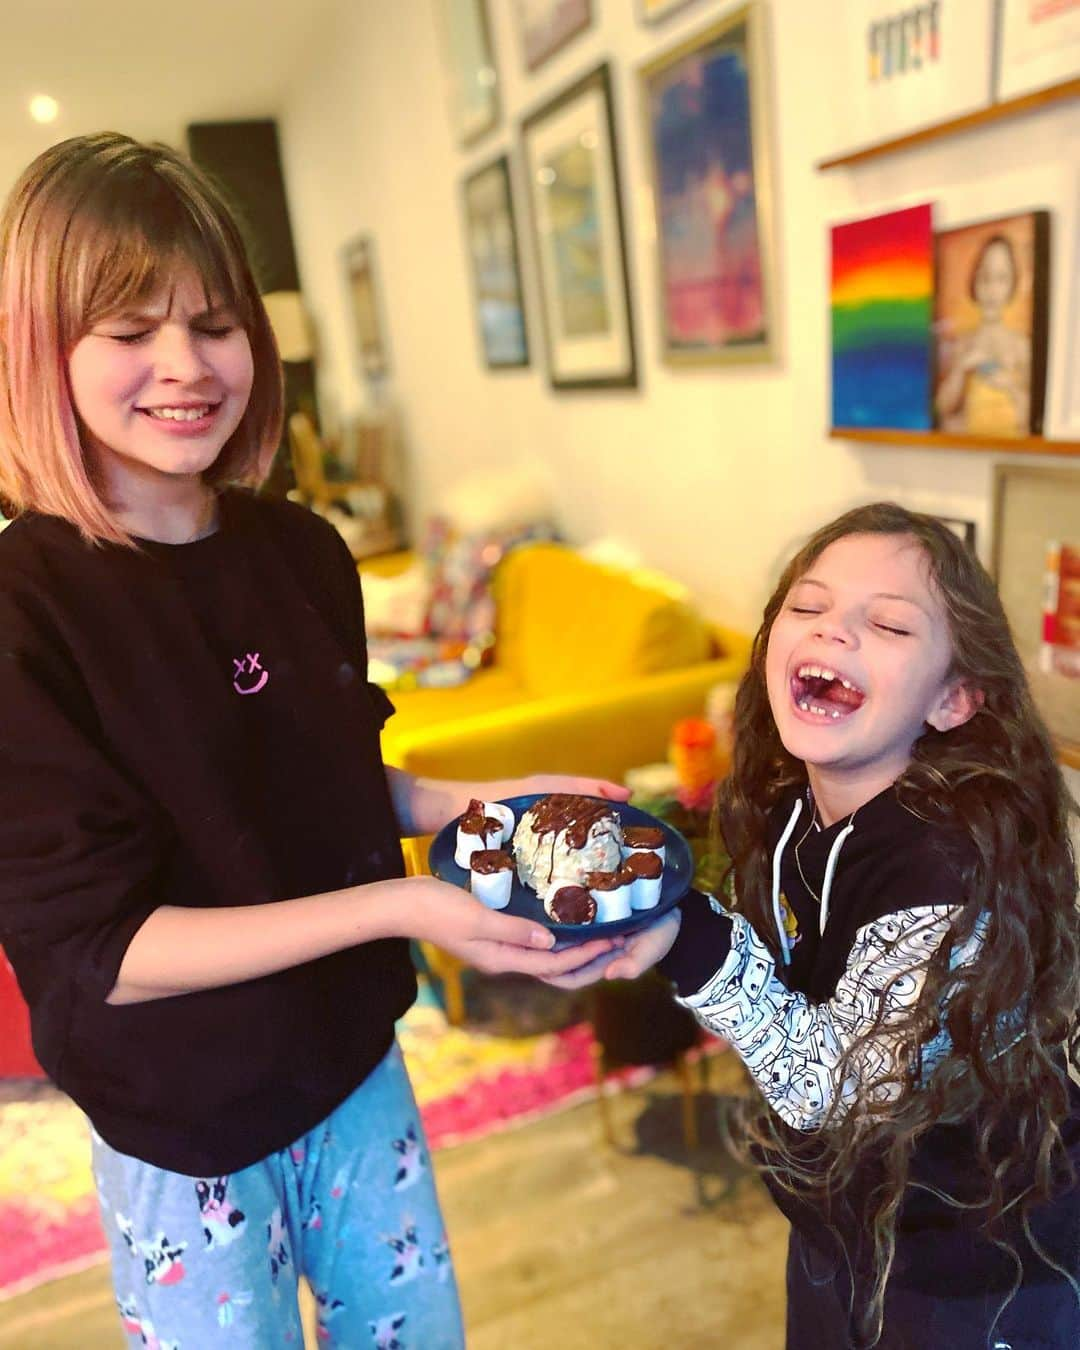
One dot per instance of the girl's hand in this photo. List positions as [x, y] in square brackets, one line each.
[488, 940]
[637, 954]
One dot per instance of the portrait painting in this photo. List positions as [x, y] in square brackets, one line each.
[990, 326]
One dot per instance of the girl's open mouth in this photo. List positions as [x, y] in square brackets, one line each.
[823, 692]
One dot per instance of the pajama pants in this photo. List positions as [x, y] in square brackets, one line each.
[1040, 1317]
[200, 1262]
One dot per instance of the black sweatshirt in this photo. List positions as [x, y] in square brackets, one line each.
[895, 882]
[192, 725]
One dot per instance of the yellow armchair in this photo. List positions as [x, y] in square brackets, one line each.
[592, 668]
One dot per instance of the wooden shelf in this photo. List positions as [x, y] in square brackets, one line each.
[996, 112]
[1068, 753]
[951, 440]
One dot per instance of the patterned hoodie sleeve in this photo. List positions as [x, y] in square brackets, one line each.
[793, 1047]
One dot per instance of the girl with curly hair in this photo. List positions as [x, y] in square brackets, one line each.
[897, 958]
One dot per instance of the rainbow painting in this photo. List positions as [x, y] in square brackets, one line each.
[882, 310]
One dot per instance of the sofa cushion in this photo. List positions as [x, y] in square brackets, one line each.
[565, 624]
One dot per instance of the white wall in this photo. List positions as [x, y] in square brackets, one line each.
[711, 473]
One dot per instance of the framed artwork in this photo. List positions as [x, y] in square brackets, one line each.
[655, 11]
[882, 297]
[1038, 45]
[909, 63]
[706, 115]
[990, 326]
[1071, 398]
[492, 243]
[545, 26]
[470, 68]
[573, 183]
[364, 307]
[1037, 568]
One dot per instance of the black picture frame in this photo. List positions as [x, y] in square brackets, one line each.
[488, 200]
[570, 158]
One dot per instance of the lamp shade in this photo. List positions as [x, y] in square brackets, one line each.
[289, 320]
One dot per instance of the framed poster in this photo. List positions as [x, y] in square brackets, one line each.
[573, 184]
[545, 26]
[492, 243]
[364, 307]
[990, 325]
[1038, 45]
[906, 64]
[706, 113]
[470, 68]
[882, 298]
[1036, 524]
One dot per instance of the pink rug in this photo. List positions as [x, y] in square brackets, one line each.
[468, 1084]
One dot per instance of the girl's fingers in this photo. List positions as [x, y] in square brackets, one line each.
[516, 932]
[623, 968]
[574, 957]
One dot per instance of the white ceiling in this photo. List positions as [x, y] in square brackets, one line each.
[144, 67]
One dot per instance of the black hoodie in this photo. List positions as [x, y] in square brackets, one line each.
[857, 904]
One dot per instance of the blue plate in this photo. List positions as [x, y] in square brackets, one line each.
[678, 874]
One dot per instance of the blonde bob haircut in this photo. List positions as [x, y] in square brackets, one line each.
[96, 225]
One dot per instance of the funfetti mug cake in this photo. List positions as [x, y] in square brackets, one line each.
[572, 851]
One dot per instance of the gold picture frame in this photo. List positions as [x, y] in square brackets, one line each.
[1032, 506]
[705, 106]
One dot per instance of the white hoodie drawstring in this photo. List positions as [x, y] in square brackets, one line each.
[778, 916]
[830, 868]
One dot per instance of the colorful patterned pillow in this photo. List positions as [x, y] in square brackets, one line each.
[459, 630]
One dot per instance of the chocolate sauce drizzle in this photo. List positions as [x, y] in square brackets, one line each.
[565, 811]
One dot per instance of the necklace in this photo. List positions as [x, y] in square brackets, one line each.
[798, 862]
[806, 832]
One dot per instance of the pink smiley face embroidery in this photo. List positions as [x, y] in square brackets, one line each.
[243, 670]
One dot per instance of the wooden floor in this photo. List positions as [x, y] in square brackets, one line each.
[561, 1243]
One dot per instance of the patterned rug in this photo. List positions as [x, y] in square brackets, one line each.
[468, 1082]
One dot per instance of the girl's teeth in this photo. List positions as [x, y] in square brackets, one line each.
[817, 710]
[179, 414]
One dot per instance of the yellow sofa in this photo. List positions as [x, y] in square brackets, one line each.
[591, 670]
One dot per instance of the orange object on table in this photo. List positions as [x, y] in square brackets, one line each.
[16, 1055]
[693, 752]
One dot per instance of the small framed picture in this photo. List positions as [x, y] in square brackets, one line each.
[706, 111]
[470, 67]
[990, 325]
[546, 26]
[492, 244]
[573, 183]
[364, 307]
[1036, 566]
[904, 64]
[1038, 45]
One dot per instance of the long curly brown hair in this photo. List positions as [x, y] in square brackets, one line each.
[995, 780]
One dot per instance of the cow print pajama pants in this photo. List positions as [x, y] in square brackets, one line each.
[200, 1262]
